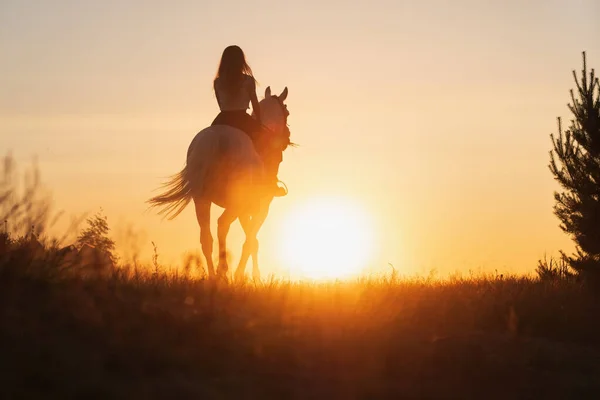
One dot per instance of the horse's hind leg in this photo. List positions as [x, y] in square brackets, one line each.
[206, 239]
[223, 224]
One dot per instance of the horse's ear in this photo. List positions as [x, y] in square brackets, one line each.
[283, 94]
[268, 92]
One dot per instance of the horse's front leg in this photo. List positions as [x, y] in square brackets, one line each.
[251, 227]
[257, 222]
[223, 224]
[255, 269]
[247, 248]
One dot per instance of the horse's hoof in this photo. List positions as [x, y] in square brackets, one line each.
[222, 269]
[240, 277]
[221, 275]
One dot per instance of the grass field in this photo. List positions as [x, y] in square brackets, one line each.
[158, 335]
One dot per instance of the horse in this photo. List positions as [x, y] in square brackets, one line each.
[224, 166]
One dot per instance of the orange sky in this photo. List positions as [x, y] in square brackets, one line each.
[433, 115]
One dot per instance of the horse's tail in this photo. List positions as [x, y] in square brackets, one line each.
[177, 196]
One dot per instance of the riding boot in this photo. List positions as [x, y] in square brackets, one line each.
[272, 188]
[278, 190]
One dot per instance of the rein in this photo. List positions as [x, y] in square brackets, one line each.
[286, 128]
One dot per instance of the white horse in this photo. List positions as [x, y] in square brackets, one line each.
[223, 167]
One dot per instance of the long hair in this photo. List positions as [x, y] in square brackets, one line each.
[232, 68]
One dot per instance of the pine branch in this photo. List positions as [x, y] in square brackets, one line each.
[575, 164]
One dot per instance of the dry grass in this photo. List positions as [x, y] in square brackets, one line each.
[137, 332]
[159, 335]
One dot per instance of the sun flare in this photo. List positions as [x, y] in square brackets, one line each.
[326, 239]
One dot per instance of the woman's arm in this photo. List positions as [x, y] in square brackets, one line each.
[254, 100]
[217, 94]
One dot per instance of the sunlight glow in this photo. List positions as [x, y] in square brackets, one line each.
[326, 239]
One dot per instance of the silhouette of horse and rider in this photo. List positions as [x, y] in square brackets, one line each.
[233, 163]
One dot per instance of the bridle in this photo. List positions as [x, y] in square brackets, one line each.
[285, 132]
[285, 113]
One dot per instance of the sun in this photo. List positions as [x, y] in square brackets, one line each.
[328, 238]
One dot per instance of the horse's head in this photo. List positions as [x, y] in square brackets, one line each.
[276, 139]
[274, 115]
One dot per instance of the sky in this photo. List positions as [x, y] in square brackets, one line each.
[434, 116]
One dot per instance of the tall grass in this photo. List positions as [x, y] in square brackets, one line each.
[144, 332]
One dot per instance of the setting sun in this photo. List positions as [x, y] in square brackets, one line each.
[326, 239]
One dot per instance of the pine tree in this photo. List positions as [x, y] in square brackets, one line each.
[96, 235]
[575, 164]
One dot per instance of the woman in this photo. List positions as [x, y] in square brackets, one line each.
[235, 89]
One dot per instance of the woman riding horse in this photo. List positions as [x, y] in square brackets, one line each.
[235, 88]
[233, 163]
